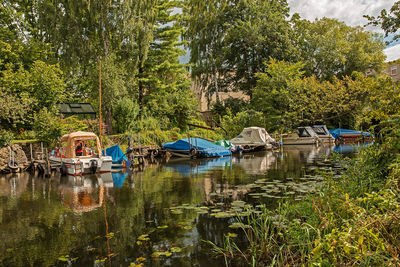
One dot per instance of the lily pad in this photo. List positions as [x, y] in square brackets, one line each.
[223, 215]
[63, 258]
[237, 225]
[144, 237]
[176, 211]
[175, 249]
[157, 254]
[238, 203]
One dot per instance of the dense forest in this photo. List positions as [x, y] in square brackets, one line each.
[295, 71]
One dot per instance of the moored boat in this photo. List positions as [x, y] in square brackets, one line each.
[346, 135]
[195, 148]
[81, 154]
[253, 139]
[303, 136]
[118, 156]
[323, 133]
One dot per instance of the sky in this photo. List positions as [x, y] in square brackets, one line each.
[349, 11]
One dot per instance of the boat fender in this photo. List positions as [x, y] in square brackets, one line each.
[93, 165]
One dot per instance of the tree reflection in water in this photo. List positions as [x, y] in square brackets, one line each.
[93, 218]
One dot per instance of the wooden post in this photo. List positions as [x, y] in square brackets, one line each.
[41, 145]
[48, 164]
[30, 144]
[140, 146]
[100, 101]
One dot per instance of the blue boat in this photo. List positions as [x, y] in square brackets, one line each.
[196, 148]
[346, 134]
[118, 156]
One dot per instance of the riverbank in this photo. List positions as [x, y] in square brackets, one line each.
[353, 220]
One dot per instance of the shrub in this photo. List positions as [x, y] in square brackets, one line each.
[125, 114]
[6, 138]
[47, 127]
[234, 124]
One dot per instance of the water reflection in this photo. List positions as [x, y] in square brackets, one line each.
[92, 217]
[13, 184]
[81, 193]
[195, 167]
[255, 163]
[350, 148]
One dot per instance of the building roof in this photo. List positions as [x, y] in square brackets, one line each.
[77, 108]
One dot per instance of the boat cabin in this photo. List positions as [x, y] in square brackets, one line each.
[323, 133]
[306, 131]
[321, 130]
[80, 145]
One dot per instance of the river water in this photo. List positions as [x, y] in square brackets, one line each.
[160, 216]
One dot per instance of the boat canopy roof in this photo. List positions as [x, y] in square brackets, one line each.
[208, 149]
[306, 131]
[74, 137]
[252, 136]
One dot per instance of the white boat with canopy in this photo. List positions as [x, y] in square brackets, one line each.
[81, 154]
[253, 139]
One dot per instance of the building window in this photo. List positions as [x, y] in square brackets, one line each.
[393, 70]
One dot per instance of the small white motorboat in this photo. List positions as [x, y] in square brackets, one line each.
[323, 133]
[303, 136]
[81, 154]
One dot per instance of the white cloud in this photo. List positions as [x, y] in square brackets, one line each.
[392, 53]
[349, 11]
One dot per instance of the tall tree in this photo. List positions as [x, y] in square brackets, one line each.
[82, 32]
[229, 40]
[167, 81]
[388, 20]
[331, 48]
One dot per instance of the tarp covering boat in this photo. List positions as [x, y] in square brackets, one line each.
[223, 143]
[349, 133]
[252, 136]
[118, 156]
[207, 149]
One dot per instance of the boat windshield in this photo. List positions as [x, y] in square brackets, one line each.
[302, 132]
[320, 130]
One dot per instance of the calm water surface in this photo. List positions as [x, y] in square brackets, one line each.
[115, 219]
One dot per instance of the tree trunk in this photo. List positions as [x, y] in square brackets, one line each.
[108, 117]
[141, 89]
